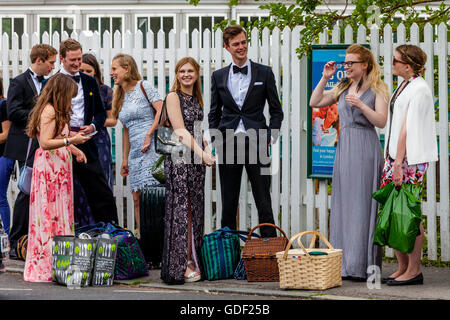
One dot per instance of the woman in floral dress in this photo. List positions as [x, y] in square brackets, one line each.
[411, 146]
[51, 195]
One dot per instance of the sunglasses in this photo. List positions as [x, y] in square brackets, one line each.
[348, 63]
[394, 61]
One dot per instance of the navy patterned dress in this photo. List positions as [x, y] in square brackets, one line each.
[83, 213]
[185, 182]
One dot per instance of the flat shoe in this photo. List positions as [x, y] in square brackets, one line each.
[386, 280]
[416, 280]
[193, 277]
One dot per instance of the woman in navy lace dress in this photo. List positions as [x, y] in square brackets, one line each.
[185, 179]
[91, 67]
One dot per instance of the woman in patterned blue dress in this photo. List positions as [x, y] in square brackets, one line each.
[83, 213]
[131, 107]
[91, 67]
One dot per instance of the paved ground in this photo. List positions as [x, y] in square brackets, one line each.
[436, 286]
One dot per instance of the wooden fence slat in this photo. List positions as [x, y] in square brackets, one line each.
[443, 142]
[431, 209]
[275, 148]
[285, 132]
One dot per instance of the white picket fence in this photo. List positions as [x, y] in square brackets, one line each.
[295, 203]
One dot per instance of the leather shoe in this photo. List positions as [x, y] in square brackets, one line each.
[386, 280]
[416, 280]
[13, 254]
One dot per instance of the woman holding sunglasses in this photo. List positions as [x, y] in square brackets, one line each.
[362, 100]
[411, 145]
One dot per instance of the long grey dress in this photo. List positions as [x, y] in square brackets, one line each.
[356, 175]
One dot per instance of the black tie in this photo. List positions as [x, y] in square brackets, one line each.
[76, 78]
[242, 70]
[40, 78]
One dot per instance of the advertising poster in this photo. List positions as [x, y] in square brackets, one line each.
[323, 123]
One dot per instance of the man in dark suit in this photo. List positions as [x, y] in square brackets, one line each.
[22, 95]
[88, 115]
[238, 96]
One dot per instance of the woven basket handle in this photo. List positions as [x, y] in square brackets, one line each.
[268, 225]
[311, 245]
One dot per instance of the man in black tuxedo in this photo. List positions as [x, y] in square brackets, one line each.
[238, 96]
[88, 116]
[22, 95]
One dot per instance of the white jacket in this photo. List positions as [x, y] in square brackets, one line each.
[416, 102]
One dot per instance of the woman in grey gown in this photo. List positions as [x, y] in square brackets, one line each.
[362, 100]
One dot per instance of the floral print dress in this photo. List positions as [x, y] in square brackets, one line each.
[51, 209]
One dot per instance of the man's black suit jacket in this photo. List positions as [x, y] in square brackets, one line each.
[22, 96]
[224, 112]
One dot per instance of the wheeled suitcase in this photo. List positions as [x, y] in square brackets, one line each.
[152, 209]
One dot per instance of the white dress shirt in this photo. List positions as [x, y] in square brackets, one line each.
[77, 117]
[238, 84]
[36, 82]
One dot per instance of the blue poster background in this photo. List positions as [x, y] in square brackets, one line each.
[323, 156]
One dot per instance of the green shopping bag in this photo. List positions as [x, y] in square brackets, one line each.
[399, 216]
[385, 197]
[405, 219]
[158, 170]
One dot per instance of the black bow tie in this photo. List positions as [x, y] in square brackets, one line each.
[243, 70]
[40, 78]
[76, 78]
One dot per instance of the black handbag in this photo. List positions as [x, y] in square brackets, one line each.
[166, 141]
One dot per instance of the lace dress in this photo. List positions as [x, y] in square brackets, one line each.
[83, 212]
[185, 193]
[137, 116]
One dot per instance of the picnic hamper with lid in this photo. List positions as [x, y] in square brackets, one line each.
[313, 268]
[259, 255]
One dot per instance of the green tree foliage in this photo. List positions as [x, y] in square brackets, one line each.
[368, 13]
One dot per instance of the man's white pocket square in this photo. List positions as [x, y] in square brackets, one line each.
[258, 83]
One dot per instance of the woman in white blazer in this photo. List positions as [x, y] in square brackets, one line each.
[410, 145]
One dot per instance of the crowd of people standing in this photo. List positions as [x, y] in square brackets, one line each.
[61, 123]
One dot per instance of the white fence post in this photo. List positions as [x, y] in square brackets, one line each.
[443, 141]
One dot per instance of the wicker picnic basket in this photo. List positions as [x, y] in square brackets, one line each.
[259, 255]
[319, 270]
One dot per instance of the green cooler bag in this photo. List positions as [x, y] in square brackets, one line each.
[221, 252]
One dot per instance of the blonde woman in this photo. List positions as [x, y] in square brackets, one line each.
[131, 106]
[185, 181]
[362, 100]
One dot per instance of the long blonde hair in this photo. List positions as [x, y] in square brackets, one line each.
[373, 73]
[58, 92]
[197, 90]
[127, 62]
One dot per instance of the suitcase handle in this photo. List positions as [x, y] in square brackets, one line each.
[268, 225]
[311, 245]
